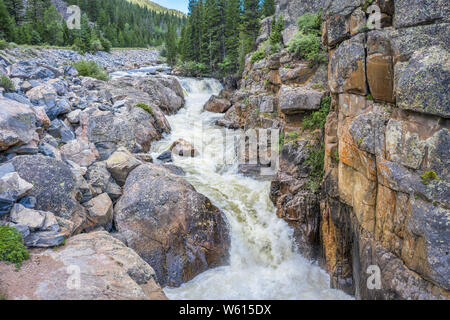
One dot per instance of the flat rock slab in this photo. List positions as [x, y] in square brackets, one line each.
[92, 266]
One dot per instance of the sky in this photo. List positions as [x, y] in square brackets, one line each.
[181, 5]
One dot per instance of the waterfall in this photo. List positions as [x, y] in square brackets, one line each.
[264, 264]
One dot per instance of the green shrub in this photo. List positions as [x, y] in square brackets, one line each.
[146, 108]
[106, 44]
[193, 69]
[258, 55]
[90, 69]
[96, 46]
[310, 23]
[315, 161]
[3, 44]
[291, 136]
[317, 119]
[366, 5]
[306, 42]
[280, 141]
[275, 37]
[6, 83]
[369, 97]
[12, 249]
[429, 176]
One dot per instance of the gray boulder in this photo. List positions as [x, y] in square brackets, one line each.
[17, 123]
[54, 186]
[170, 225]
[299, 99]
[101, 180]
[166, 92]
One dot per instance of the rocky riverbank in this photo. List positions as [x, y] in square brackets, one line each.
[74, 176]
[383, 200]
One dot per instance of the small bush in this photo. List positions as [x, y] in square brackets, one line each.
[258, 55]
[193, 69]
[280, 141]
[366, 5]
[3, 44]
[146, 108]
[315, 161]
[96, 46]
[275, 37]
[317, 119]
[306, 42]
[429, 176]
[106, 44]
[90, 69]
[12, 249]
[310, 23]
[6, 83]
[291, 136]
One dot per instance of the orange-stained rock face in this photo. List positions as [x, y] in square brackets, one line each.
[380, 75]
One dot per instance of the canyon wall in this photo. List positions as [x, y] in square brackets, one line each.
[382, 207]
[386, 198]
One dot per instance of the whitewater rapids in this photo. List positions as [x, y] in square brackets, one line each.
[264, 264]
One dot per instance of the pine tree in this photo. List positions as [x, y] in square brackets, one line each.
[250, 24]
[54, 33]
[85, 33]
[15, 9]
[276, 38]
[268, 8]
[232, 30]
[7, 26]
[171, 45]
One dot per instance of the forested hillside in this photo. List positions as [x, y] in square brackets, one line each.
[219, 34]
[156, 7]
[104, 23]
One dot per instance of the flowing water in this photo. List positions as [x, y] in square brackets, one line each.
[263, 262]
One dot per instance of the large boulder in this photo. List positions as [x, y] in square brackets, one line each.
[166, 92]
[183, 148]
[101, 180]
[100, 212]
[54, 186]
[120, 164]
[299, 99]
[12, 188]
[80, 151]
[91, 266]
[217, 105]
[17, 123]
[106, 131]
[149, 125]
[171, 226]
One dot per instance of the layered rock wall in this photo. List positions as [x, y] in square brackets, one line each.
[386, 199]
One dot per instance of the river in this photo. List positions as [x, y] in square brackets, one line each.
[263, 264]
